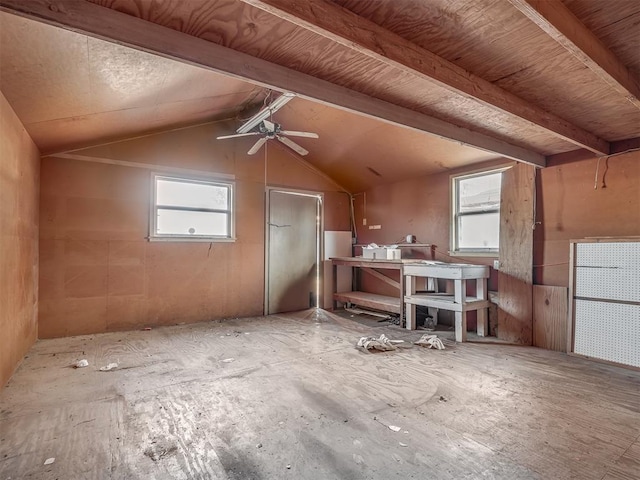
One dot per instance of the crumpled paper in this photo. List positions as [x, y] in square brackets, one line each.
[430, 341]
[109, 367]
[382, 343]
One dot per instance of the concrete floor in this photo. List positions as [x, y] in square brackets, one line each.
[288, 396]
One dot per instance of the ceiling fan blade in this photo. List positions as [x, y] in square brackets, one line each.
[270, 126]
[293, 146]
[237, 135]
[257, 145]
[293, 133]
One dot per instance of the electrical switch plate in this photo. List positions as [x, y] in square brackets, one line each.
[364, 221]
[496, 264]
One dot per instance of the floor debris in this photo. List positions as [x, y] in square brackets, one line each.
[81, 363]
[109, 367]
[228, 360]
[49, 461]
[430, 341]
[382, 343]
[394, 428]
[403, 444]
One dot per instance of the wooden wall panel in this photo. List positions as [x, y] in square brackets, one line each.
[550, 317]
[19, 175]
[569, 207]
[99, 273]
[515, 277]
[419, 206]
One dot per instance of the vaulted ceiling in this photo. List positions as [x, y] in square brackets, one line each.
[401, 86]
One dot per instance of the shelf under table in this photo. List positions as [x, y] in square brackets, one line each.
[371, 300]
[446, 302]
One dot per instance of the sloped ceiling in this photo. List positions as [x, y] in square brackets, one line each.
[69, 89]
[513, 84]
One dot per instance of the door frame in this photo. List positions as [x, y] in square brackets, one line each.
[319, 238]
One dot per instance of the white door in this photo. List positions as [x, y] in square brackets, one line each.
[293, 223]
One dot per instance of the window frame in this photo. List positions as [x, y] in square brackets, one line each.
[191, 179]
[455, 214]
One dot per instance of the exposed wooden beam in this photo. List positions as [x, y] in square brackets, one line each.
[107, 24]
[357, 33]
[564, 27]
[617, 148]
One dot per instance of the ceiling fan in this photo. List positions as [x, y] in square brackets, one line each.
[268, 130]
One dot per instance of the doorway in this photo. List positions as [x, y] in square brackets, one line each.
[293, 248]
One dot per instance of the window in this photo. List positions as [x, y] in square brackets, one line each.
[190, 209]
[476, 212]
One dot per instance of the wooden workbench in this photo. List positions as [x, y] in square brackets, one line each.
[458, 302]
[385, 303]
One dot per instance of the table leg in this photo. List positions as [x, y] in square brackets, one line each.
[334, 287]
[410, 289]
[461, 326]
[482, 322]
[481, 293]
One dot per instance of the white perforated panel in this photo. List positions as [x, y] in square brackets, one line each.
[608, 331]
[608, 270]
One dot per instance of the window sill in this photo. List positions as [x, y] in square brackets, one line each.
[192, 239]
[474, 254]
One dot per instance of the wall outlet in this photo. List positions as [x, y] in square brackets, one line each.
[496, 264]
[375, 227]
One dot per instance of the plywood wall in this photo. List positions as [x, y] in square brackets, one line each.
[569, 207]
[98, 273]
[19, 176]
[421, 207]
[550, 317]
[515, 278]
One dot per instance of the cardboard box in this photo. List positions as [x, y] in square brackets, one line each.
[393, 253]
[381, 253]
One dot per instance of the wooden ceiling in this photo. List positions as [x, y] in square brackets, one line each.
[71, 90]
[524, 79]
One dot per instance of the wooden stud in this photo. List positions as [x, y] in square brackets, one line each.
[366, 37]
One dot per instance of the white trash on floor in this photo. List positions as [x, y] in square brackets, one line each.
[382, 343]
[111, 366]
[81, 363]
[430, 341]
